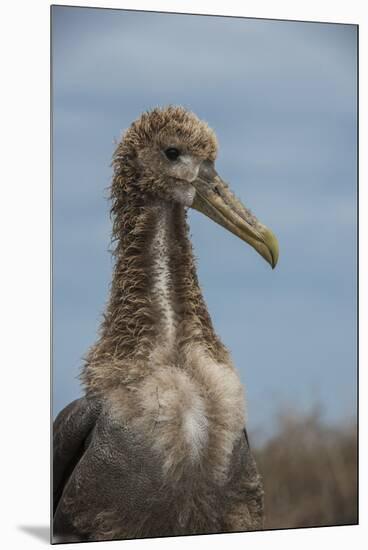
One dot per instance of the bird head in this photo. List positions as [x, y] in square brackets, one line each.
[170, 154]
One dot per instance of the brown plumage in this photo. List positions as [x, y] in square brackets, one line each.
[157, 446]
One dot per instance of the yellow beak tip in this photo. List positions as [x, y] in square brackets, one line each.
[272, 247]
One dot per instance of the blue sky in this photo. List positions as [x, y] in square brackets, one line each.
[281, 97]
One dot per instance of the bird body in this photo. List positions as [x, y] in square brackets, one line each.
[157, 446]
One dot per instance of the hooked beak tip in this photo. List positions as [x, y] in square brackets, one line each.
[272, 245]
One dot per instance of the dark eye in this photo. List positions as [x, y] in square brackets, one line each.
[172, 153]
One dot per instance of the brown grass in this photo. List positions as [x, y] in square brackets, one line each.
[310, 473]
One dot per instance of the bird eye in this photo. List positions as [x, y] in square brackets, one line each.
[172, 153]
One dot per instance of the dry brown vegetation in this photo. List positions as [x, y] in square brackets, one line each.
[310, 473]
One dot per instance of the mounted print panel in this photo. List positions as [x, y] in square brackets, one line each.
[204, 274]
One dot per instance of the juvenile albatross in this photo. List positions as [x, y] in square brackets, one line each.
[157, 446]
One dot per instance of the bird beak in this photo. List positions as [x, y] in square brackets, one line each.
[214, 199]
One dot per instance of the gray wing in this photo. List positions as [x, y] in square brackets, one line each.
[253, 485]
[72, 430]
[243, 510]
[105, 477]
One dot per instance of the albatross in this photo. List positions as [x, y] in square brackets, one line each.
[158, 445]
